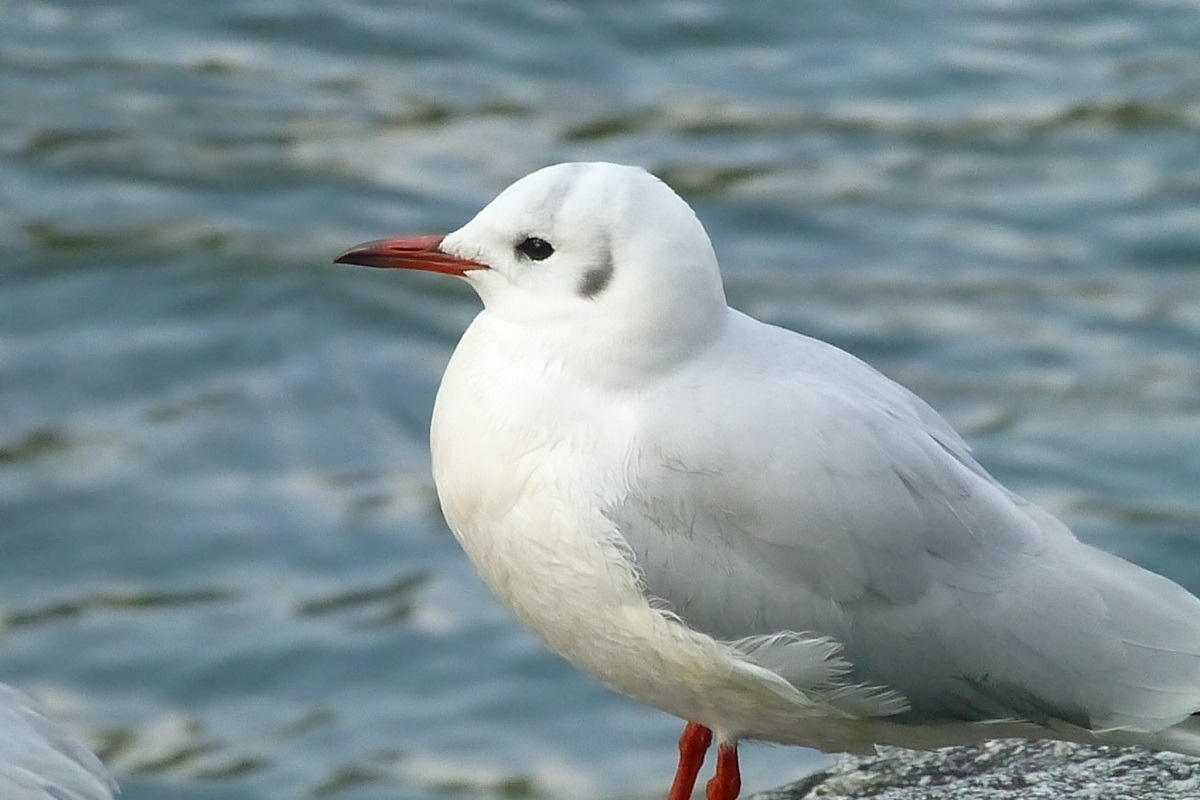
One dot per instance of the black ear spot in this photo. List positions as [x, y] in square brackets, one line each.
[596, 279]
[535, 249]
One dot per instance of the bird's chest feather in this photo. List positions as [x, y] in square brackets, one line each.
[529, 467]
[525, 464]
[512, 433]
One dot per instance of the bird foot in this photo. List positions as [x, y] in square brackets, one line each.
[727, 783]
[693, 745]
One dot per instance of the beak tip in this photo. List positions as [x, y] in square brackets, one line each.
[357, 257]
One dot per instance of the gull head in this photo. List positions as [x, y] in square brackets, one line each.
[601, 255]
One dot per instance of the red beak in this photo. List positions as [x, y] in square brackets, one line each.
[409, 252]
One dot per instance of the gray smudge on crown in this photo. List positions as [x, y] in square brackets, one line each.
[554, 198]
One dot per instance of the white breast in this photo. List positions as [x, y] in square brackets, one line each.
[526, 461]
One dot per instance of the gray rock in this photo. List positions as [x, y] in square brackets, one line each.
[1009, 769]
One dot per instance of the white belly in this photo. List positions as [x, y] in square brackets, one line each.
[524, 478]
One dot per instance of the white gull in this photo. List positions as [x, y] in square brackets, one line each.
[751, 529]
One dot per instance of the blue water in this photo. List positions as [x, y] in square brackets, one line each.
[222, 558]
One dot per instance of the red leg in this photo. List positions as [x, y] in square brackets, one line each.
[692, 747]
[726, 784]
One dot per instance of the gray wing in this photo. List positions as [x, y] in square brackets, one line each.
[41, 760]
[829, 500]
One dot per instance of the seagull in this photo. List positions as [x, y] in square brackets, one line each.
[751, 529]
[41, 760]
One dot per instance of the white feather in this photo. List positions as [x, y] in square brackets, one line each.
[41, 760]
[756, 531]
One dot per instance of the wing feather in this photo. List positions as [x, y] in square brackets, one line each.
[832, 504]
[41, 760]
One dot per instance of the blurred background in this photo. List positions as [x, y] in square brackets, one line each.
[221, 557]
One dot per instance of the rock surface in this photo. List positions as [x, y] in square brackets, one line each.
[1011, 769]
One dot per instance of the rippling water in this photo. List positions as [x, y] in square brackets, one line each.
[222, 554]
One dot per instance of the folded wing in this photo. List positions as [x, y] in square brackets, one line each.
[831, 502]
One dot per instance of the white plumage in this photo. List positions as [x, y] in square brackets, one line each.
[752, 529]
[41, 760]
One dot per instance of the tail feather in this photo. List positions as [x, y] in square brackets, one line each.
[1182, 738]
[1158, 623]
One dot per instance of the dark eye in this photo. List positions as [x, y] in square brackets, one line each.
[535, 248]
